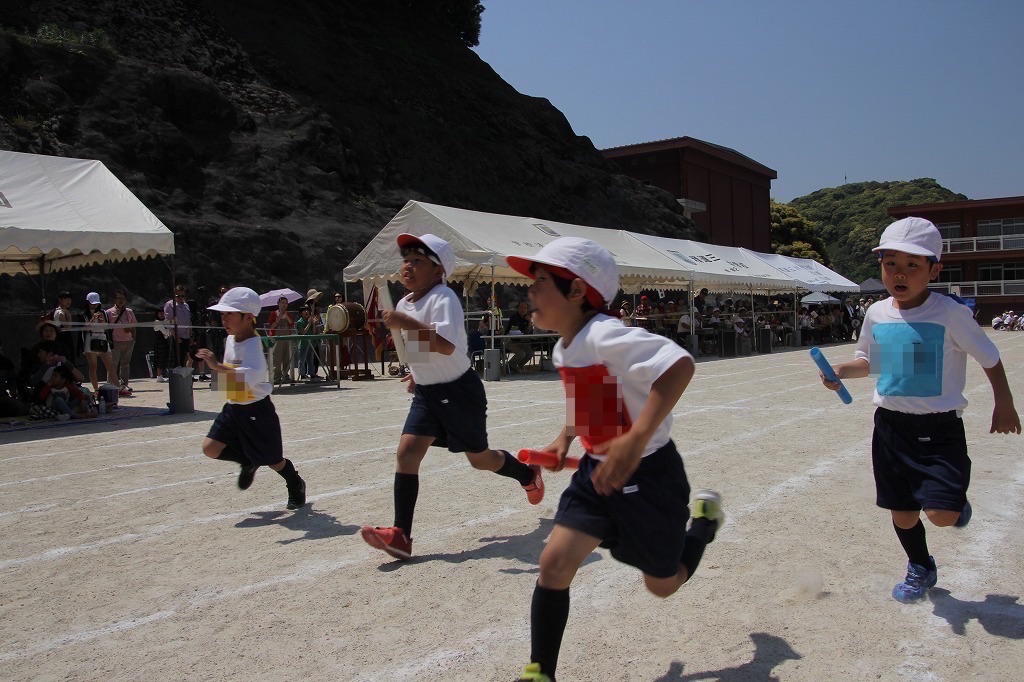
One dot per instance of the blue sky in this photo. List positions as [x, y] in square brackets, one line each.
[824, 92]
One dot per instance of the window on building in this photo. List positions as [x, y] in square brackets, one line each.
[998, 272]
[951, 273]
[949, 230]
[1000, 228]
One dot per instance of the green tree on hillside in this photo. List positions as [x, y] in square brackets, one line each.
[794, 235]
[851, 217]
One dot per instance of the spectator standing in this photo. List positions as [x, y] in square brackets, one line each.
[64, 318]
[179, 319]
[97, 343]
[200, 322]
[281, 323]
[162, 339]
[122, 338]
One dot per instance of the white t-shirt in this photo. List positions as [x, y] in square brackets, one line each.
[608, 371]
[920, 355]
[247, 359]
[441, 310]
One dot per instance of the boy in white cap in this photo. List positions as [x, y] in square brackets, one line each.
[916, 343]
[247, 430]
[449, 406]
[630, 492]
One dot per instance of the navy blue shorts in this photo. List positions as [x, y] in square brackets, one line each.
[253, 429]
[455, 414]
[920, 461]
[644, 524]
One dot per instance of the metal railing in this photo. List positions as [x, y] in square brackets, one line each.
[975, 244]
[1008, 287]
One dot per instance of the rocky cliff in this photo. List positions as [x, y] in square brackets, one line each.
[276, 138]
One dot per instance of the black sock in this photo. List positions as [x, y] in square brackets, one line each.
[915, 544]
[407, 489]
[693, 550]
[549, 613]
[513, 468]
[229, 454]
[288, 473]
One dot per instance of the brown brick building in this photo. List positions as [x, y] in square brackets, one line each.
[726, 193]
[982, 250]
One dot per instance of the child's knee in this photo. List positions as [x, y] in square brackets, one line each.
[212, 448]
[662, 587]
[556, 570]
[942, 517]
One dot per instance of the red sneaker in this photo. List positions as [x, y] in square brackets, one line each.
[391, 540]
[535, 488]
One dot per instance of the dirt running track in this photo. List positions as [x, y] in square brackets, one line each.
[127, 555]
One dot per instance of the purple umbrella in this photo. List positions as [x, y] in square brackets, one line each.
[269, 299]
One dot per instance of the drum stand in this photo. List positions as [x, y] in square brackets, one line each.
[353, 371]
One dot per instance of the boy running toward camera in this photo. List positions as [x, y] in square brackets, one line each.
[630, 492]
[449, 406]
[916, 343]
[247, 430]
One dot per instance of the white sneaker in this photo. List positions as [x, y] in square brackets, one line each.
[161, 380]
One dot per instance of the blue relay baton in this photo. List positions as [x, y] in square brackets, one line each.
[826, 369]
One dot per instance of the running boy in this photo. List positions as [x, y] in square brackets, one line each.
[916, 342]
[247, 430]
[630, 492]
[449, 407]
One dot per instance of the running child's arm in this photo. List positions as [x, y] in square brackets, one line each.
[1004, 415]
[854, 369]
[560, 447]
[623, 454]
[206, 355]
[394, 319]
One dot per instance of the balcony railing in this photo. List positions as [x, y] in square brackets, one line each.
[974, 244]
[1007, 287]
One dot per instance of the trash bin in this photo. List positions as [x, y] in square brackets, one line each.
[764, 340]
[492, 364]
[180, 391]
[727, 343]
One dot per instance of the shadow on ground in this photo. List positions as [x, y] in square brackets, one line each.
[312, 524]
[1000, 614]
[769, 652]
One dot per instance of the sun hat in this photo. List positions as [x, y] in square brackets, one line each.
[239, 300]
[439, 251]
[47, 323]
[314, 295]
[916, 236]
[92, 297]
[584, 258]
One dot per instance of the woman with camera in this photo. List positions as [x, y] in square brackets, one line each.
[96, 342]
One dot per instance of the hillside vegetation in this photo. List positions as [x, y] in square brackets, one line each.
[850, 218]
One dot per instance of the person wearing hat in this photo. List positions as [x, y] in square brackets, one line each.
[96, 344]
[916, 343]
[247, 430]
[630, 490]
[313, 323]
[449, 406]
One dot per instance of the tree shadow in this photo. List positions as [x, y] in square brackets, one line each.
[524, 549]
[312, 524]
[1000, 614]
[769, 652]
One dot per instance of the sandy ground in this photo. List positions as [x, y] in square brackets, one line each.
[127, 555]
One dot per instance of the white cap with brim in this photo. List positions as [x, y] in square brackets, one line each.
[584, 258]
[239, 300]
[916, 236]
[434, 244]
[92, 297]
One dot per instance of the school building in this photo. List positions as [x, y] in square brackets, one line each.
[982, 250]
[726, 193]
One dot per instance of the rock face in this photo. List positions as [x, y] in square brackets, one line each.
[275, 139]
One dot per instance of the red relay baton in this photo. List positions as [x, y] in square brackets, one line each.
[546, 459]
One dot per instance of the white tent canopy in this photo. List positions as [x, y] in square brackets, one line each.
[725, 268]
[482, 240]
[810, 274]
[58, 213]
